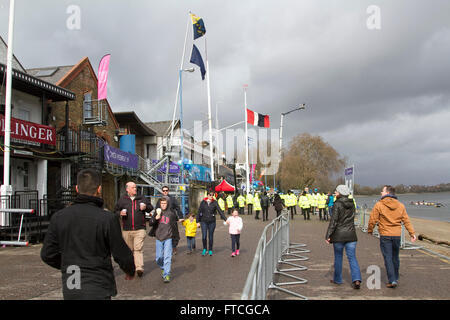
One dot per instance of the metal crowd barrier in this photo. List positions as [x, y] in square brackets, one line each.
[271, 251]
[362, 217]
[18, 242]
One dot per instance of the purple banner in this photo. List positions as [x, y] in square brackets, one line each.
[173, 168]
[120, 157]
[349, 171]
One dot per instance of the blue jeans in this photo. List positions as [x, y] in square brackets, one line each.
[390, 248]
[350, 250]
[330, 211]
[208, 232]
[190, 243]
[164, 255]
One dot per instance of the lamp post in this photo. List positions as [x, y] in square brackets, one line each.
[217, 138]
[300, 107]
[182, 139]
[6, 188]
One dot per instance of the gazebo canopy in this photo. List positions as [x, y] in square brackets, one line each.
[224, 186]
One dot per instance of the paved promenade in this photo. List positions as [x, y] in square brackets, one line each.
[194, 277]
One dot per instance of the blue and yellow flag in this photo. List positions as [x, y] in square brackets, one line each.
[199, 26]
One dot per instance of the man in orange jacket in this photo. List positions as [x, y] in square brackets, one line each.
[389, 213]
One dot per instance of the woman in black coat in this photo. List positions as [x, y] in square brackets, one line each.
[278, 204]
[341, 232]
[206, 219]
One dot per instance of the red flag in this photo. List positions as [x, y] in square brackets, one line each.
[257, 119]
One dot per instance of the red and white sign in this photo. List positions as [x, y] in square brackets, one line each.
[29, 131]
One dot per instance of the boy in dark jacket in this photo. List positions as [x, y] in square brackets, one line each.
[175, 208]
[80, 241]
[163, 222]
[132, 208]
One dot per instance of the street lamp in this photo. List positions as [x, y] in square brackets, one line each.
[217, 138]
[300, 107]
[183, 209]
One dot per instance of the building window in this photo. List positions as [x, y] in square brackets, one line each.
[87, 105]
[26, 172]
[24, 115]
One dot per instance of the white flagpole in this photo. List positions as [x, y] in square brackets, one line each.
[178, 87]
[246, 143]
[6, 188]
[211, 156]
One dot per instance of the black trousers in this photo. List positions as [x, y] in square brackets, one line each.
[241, 210]
[306, 212]
[265, 213]
[235, 242]
[322, 211]
[278, 213]
[292, 211]
[250, 209]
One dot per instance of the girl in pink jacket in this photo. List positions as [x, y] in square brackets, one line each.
[235, 226]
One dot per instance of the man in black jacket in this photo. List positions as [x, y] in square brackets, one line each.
[132, 208]
[265, 202]
[80, 241]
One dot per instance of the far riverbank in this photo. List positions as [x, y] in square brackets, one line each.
[423, 212]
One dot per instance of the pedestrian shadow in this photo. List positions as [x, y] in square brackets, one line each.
[183, 269]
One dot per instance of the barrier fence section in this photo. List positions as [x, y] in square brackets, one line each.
[22, 212]
[362, 217]
[273, 244]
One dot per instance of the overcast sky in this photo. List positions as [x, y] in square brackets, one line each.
[380, 97]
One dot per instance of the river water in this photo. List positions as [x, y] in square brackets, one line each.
[424, 212]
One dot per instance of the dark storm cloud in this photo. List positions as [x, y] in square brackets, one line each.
[357, 83]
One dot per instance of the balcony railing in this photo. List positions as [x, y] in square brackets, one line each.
[78, 142]
[95, 112]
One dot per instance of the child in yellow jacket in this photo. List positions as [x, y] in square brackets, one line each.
[191, 230]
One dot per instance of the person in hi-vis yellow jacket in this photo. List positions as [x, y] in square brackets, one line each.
[305, 203]
[249, 201]
[230, 203]
[257, 205]
[321, 204]
[241, 204]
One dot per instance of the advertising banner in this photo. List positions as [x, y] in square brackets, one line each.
[29, 131]
[120, 157]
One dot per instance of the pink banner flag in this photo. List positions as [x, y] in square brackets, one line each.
[103, 77]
